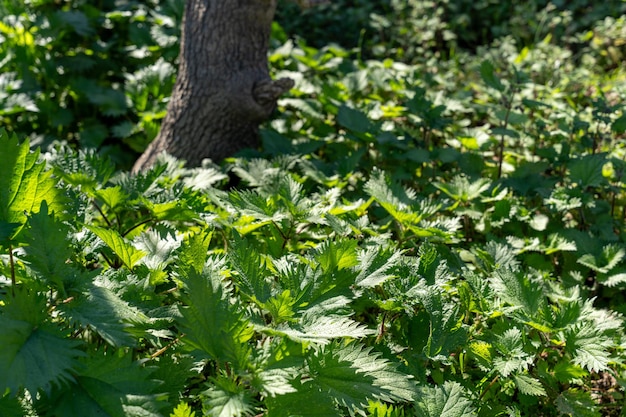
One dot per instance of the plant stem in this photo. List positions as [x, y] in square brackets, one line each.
[12, 267]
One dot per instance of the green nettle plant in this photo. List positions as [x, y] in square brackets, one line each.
[425, 238]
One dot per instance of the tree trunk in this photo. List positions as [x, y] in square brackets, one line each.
[223, 90]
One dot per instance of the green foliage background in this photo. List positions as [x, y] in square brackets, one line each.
[434, 225]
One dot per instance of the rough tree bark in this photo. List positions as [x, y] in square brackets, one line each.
[223, 90]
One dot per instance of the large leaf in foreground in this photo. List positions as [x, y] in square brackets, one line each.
[111, 385]
[33, 354]
[23, 183]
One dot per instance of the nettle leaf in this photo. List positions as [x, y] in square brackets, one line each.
[513, 357]
[23, 183]
[100, 309]
[447, 400]
[225, 398]
[528, 385]
[517, 290]
[401, 203]
[47, 248]
[251, 275]
[375, 266]
[588, 347]
[111, 385]
[211, 322]
[309, 400]
[574, 402]
[86, 169]
[128, 254]
[587, 170]
[34, 354]
[461, 189]
[12, 406]
[336, 254]
[183, 410]
[446, 331]
[352, 375]
[353, 119]
[319, 329]
[487, 73]
[611, 255]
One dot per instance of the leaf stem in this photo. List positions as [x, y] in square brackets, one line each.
[12, 267]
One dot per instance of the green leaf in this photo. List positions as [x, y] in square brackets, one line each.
[446, 330]
[487, 73]
[183, 410]
[587, 171]
[619, 124]
[611, 256]
[128, 254]
[227, 399]
[528, 385]
[588, 347]
[336, 255]
[517, 290]
[111, 385]
[447, 400]
[461, 189]
[210, 321]
[319, 329]
[352, 375]
[23, 183]
[375, 265]
[292, 404]
[47, 249]
[353, 119]
[11, 407]
[34, 354]
[574, 402]
[100, 309]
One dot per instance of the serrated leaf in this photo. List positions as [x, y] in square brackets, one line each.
[128, 254]
[528, 385]
[446, 331]
[574, 402]
[447, 400]
[100, 309]
[183, 410]
[374, 266]
[481, 352]
[517, 290]
[589, 347]
[487, 73]
[34, 354]
[11, 407]
[352, 375]
[47, 250]
[34, 358]
[609, 258]
[225, 398]
[320, 329]
[587, 170]
[211, 322]
[291, 404]
[566, 372]
[23, 183]
[111, 385]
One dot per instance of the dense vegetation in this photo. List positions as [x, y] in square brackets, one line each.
[433, 227]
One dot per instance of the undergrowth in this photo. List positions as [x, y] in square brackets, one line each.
[412, 240]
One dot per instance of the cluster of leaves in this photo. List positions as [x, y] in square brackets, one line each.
[95, 74]
[415, 30]
[413, 240]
